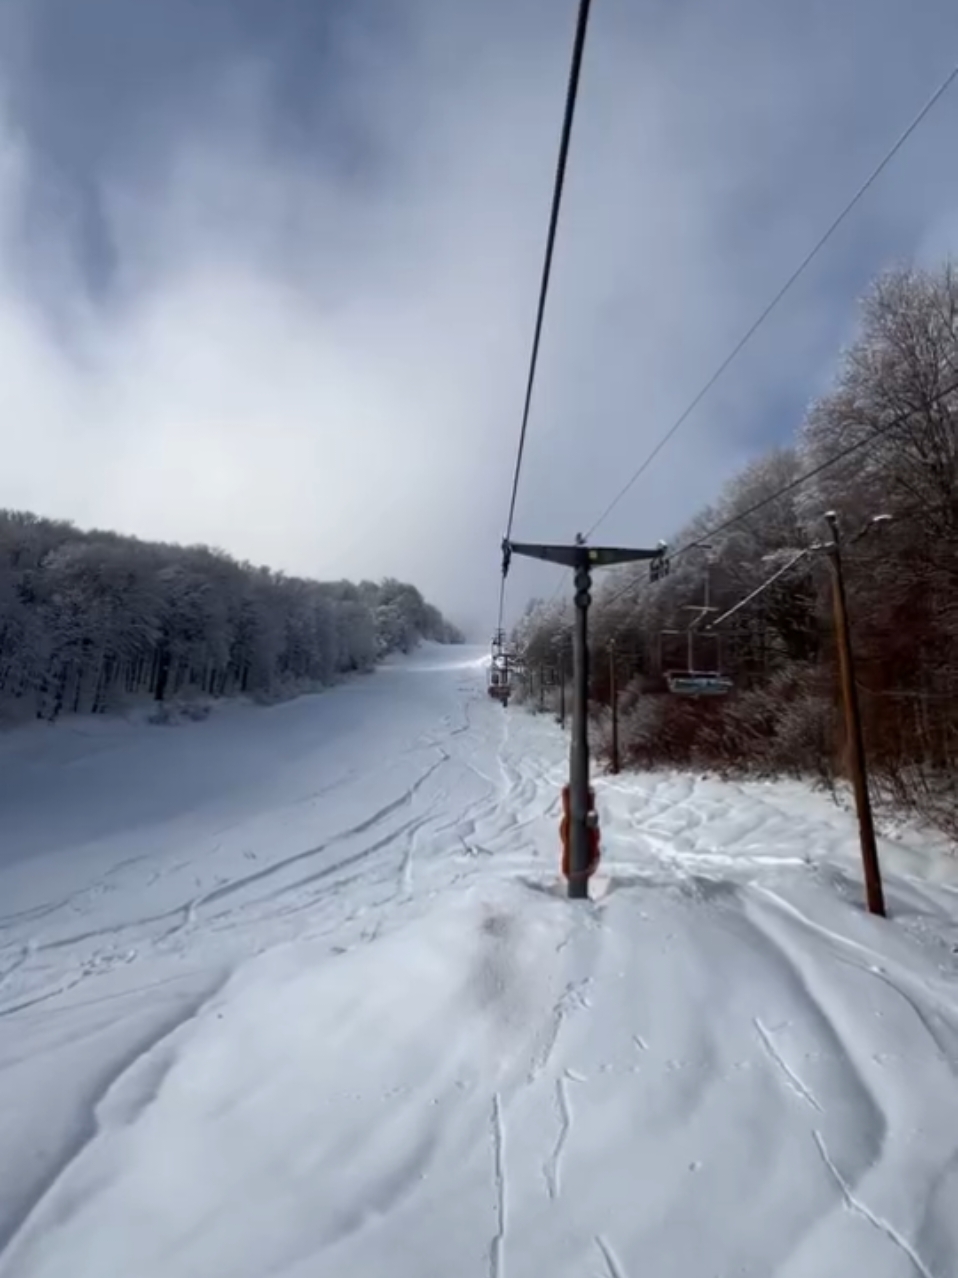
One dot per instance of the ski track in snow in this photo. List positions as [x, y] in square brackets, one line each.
[238, 885]
[794, 1082]
[883, 1226]
[553, 1164]
[497, 1245]
[613, 1267]
[87, 1121]
[374, 943]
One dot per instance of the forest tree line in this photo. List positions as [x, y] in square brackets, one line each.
[784, 715]
[89, 620]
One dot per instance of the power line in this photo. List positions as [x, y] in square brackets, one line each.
[878, 433]
[562, 581]
[572, 92]
[759, 590]
[763, 316]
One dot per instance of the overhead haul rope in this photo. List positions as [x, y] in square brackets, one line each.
[572, 93]
[763, 315]
[879, 432]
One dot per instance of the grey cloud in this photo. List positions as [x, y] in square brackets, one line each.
[325, 247]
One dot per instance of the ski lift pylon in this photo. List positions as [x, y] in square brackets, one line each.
[500, 680]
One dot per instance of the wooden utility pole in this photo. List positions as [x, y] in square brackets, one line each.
[853, 725]
[852, 709]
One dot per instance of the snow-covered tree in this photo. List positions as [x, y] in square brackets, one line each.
[894, 414]
[88, 619]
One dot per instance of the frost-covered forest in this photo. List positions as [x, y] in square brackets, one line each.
[89, 620]
[902, 582]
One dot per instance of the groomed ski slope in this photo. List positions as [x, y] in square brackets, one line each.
[293, 992]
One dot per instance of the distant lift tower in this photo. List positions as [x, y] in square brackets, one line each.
[500, 669]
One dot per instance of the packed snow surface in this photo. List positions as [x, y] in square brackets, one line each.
[295, 992]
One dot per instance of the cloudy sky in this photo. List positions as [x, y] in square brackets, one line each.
[268, 268]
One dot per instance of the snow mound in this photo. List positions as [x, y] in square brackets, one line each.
[690, 1075]
[296, 992]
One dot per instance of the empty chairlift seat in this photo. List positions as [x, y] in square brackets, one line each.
[698, 683]
[500, 684]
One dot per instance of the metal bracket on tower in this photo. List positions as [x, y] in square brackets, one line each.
[506, 556]
[660, 566]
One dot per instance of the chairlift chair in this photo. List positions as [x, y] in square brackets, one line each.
[692, 682]
[500, 683]
[698, 683]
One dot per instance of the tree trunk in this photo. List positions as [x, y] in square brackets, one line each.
[162, 672]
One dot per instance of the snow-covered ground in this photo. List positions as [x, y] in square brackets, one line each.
[293, 992]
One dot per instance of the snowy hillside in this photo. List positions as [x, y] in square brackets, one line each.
[294, 992]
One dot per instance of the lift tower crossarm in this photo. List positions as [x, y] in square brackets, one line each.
[576, 555]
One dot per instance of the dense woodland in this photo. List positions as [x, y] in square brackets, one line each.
[90, 620]
[784, 715]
